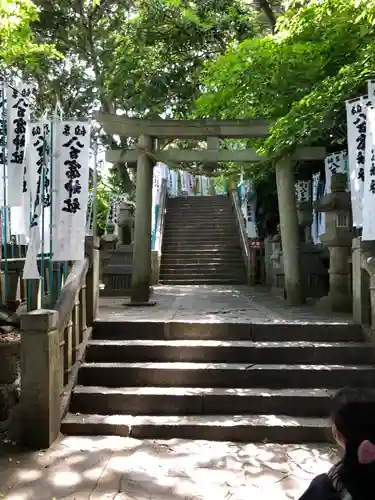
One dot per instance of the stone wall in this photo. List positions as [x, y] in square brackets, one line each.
[9, 374]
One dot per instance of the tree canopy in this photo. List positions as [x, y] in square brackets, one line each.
[18, 44]
[321, 53]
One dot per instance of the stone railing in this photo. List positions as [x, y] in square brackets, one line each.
[363, 279]
[246, 251]
[53, 343]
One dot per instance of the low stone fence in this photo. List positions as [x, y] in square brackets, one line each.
[41, 350]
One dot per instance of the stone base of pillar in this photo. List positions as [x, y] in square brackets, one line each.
[336, 302]
[117, 272]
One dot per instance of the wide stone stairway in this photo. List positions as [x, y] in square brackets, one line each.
[201, 243]
[240, 372]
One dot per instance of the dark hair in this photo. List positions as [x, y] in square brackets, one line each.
[354, 418]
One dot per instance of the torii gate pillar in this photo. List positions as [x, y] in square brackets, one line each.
[289, 231]
[141, 270]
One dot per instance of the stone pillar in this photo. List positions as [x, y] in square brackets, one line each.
[92, 279]
[358, 298]
[141, 270]
[339, 269]
[289, 231]
[41, 373]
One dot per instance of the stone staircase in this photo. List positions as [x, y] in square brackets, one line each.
[201, 243]
[219, 381]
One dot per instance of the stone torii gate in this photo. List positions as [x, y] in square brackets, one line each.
[146, 155]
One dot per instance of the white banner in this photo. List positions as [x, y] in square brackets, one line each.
[302, 190]
[356, 122]
[184, 182]
[18, 110]
[90, 215]
[39, 161]
[368, 231]
[71, 182]
[3, 141]
[335, 163]
[173, 183]
[190, 184]
[315, 222]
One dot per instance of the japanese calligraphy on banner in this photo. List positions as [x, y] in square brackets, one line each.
[71, 181]
[356, 122]
[368, 231]
[39, 162]
[3, 140]
[302, 189]
[335, 163]
[315, 233]
[90, 215]
[18, 111]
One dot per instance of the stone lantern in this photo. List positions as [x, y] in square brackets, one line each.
[117, 270]
[126, 224]
[305, 219]
[338, 239]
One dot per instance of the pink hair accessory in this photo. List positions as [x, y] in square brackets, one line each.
[366, 453]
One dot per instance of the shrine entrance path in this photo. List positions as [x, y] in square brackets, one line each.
[206, 304]
[116, 468]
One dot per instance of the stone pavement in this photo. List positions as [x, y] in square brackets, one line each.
[115, 468]
[207, 303]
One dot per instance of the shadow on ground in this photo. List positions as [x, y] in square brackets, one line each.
[83, 468]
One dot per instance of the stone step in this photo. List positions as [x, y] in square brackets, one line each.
[226, 375]
[203, 281]
[199, 400]
[197, 252]
[237, 351]
[200, 244]
[202, 231]
[208, 211]
[222, 239]
[312, 331]
[199, 199]
[237, 428]
[192, 260]
[166, 272]
[239, 276]
[194, 218]
[186, 267]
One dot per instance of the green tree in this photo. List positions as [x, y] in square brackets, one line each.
[19, 47]
[322, 53]
[140, 57]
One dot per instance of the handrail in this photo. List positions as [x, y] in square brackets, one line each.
[68, 294]
[161, 216]
[243, 236]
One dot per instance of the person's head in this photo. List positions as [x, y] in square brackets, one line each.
[353, 419]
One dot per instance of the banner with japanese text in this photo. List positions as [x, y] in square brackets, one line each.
[71, 183]
[18, 116]
[368, 231]
[39, 163]
[335, 163]
[356, 123]
[90, 215]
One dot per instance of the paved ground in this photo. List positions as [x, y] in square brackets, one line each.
[215, 304]
[114, 468]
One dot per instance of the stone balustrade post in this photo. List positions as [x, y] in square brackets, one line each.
[92, 279]
[358, 295]
[41, 373]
